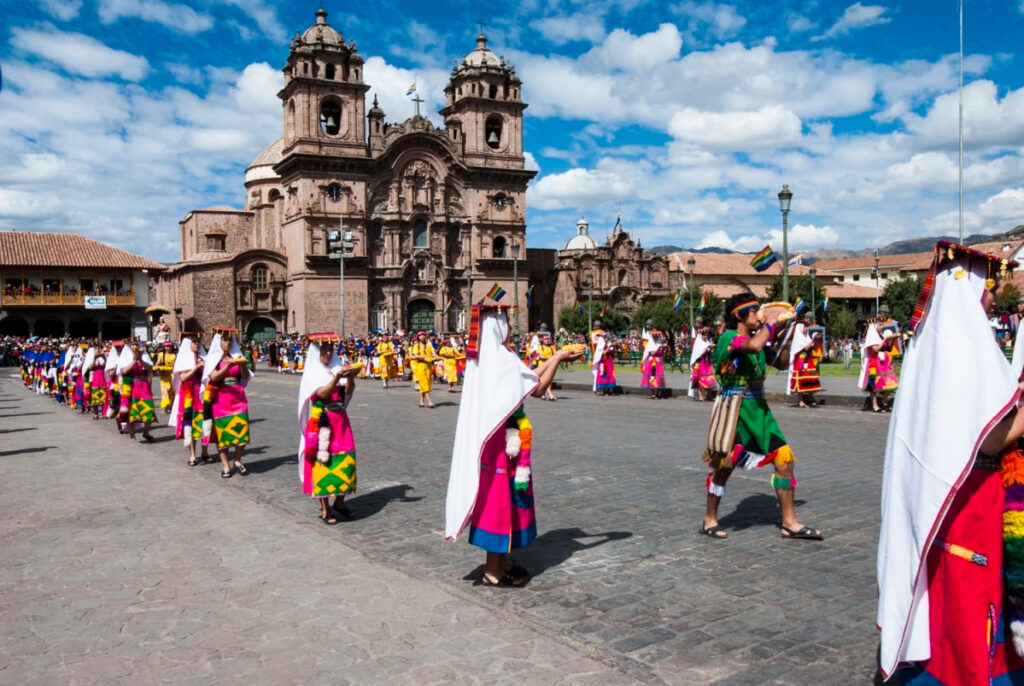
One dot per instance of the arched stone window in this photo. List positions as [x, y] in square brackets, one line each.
[330, 116]
[498, 247]
[376, 232]
[492, 131]
[494, 92]
[419, 233]
[329, 72]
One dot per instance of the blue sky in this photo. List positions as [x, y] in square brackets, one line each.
[119, 116]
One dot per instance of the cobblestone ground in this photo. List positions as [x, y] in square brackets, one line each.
[625, 589]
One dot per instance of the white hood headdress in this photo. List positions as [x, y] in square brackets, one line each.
[185, 361]
[90, 359]
[799, 342]
[495, 385]
[314, 375]
[942, 412]
[215, 355]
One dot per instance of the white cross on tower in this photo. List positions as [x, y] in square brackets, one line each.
[417, 100]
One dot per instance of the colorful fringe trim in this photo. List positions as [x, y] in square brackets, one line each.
[207, 411]
[783, 483]
[1013, 544]
[713, 488]
[523, 436]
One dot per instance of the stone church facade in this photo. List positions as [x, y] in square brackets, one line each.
[620, 271]
[436, 215]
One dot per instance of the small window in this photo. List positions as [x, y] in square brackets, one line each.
[329, 72]
[498, 249]
[419, 233]
[376, 232]
[885, 275]
[215, 243]
[259, 278]
[494, 91]
[330, 116]
[856, 277]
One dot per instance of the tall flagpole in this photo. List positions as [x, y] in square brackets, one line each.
[961, 126]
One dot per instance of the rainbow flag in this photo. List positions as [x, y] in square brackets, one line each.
[824, 304]
[677, 302]
[448, 305]
[579, 307]
[795, 260]
[799, 305]
[411, 89]
[703, 301]
[764, 259]
[604, 309]
[496, 293]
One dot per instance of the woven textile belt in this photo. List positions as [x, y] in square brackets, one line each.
[752, 392]
[230, 381]
[335, 407]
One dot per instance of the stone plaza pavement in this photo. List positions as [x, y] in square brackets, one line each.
[123, 565]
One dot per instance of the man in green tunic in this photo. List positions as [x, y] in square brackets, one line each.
[740, 369]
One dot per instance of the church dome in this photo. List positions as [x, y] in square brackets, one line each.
[582, 240]
[262, 168]
[321, 31]
[482, 56]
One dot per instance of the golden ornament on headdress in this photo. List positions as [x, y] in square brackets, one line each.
[959, 273]
[950, 253]
[1003, 268]
[990, 284]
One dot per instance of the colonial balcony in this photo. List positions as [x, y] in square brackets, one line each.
[63, 299]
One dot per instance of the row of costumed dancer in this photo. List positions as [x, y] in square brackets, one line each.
[115, 382]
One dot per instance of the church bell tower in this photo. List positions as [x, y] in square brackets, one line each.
[324, 96]
[484, 110]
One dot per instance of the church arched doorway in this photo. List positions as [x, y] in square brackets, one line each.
[13, 326]
[420, 315]
[83, 328]
[114, 329]
[48, 326]
[261, 329]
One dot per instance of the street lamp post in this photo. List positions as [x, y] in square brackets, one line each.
[515, 294]
[588, 281]
[813, 272]
[691, 265]
[339, 241]
[874, 275]
[785, 197]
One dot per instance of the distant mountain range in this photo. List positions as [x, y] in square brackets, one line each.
[910, 245]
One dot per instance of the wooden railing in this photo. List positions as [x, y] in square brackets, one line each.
[63, 299]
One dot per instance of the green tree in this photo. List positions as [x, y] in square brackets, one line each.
[1008, 300]
[841, 323]
[800, 286]
[901, 296]
[661, 313]
[576, 321]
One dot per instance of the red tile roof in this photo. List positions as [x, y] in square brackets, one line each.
[734, 264]
[869, 261]
[31, 249]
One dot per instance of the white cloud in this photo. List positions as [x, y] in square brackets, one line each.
[580, 27]
[801, 237]
[856, 16]
[175, 17]
[578, 188]
[798, 23]
[769, 127]
[719, 20]
[77, 53]
[622, 50]
[65, 10]
[184, 73]
[265, 16]
[1007, 204]
[988, 121]
[389, 83]
[21, 205]
[923, 170]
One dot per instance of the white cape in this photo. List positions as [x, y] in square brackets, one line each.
[183, 362]
[871, 337]
[215, 355]
[314, 375]
[495, 385]
[800, 341]
[943, 410]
